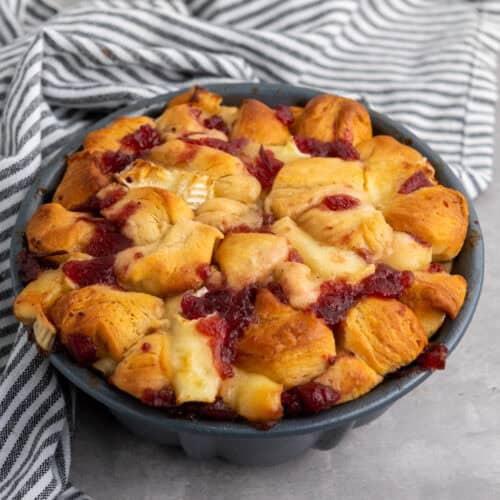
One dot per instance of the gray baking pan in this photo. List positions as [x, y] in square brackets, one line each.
[238, 442]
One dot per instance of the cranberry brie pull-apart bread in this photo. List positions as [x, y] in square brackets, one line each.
[244, 262]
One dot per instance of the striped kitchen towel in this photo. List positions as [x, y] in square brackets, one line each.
[428, 63]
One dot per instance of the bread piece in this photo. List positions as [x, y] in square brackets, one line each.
[247, 258]
[253, 396]
[388, 164]
[328, 262]
[360, 228]
[169, 265]
[437, 215]
[145, 366]
[384, 333]
[111, 319]
[302, 184]
[405, 253]
[82, 179]
[258, 123]
[33, 303]
[231, 178]
[432, 295]
[290, 347]
[330, 117]
[287, 152]
[226, 214]
[144, 214]
[109, 138]
[192, 187]
[195, 377]
[198, 97]
[301, 286]
[182, 119]
[350, 376]
[52, 229]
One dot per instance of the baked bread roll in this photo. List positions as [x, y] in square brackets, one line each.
[200, 98]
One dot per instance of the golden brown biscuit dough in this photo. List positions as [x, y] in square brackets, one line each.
[350, 376]
[226, 214]
[303, 184]
[258, 123]
[300, 285]
[200, 98]
[145, 366]
[432, 295]
[82, 179]
[112, 319]
[109, 138]
[52, 229]
[169, 265]
[152, 211]
[290, 347]
[253, 396]
[388, 164]
[384, 333]
[247, 258]
[330, 117]
[437, 215]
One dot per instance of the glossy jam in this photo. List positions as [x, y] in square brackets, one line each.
[112, 162]
[435, 267]
[163, 398]
[112, 197]
[91, 272]
[277, 290]
[107, 239]
[265, 168]
[339, 148]
[121, 217]
[234, 148]
[338, 202]
[145, 137]
[433, 358]
[146, 347]
[294, 256]
[416, 181]
[284, 115]
[309, 398]
[337, 297]
[82, 348]
[216, 122]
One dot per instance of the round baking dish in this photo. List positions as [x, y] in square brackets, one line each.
[238, 442]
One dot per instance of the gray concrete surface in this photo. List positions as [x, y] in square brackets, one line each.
[442, 442]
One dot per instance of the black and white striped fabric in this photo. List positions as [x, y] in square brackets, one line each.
[428, 63]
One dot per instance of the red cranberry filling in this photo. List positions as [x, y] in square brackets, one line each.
[216, 122]
[294, 256]
[146, 347]
[277, 290]
[145, 137]
[284, 115]
[91, 272]
[112, 197]
[337, 297]
[163, 398]
[112, 162]
[82, 348]
[308, 398]
[204, 271]
[120, 218]
[435, 267]
[265, 167]
[339, 148]
[234, 148]
[416, 181]
[337, 202]
[107, 239]
[433, 358]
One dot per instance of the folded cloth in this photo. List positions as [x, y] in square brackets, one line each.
[427, 63]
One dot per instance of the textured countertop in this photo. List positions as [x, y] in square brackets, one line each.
[442, 442]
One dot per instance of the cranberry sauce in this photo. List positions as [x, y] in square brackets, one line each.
[416, 181]
[31, 265]
[337, 297]
[433, 357]
[236, 310]
[234, 148]
[91, 272]
[162, 398]
[337, 202]
[112, 162]
[277, 290]
[112, 197]
[142, 139]
[284, 115]
[435, 267]
[308, 398]
[82, 348]
[294, 256]
[107, 239]
[265, 168]
[339, 148]
[120, 218]
[216, 122]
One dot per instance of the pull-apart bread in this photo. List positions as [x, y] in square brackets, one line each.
[244, 262]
